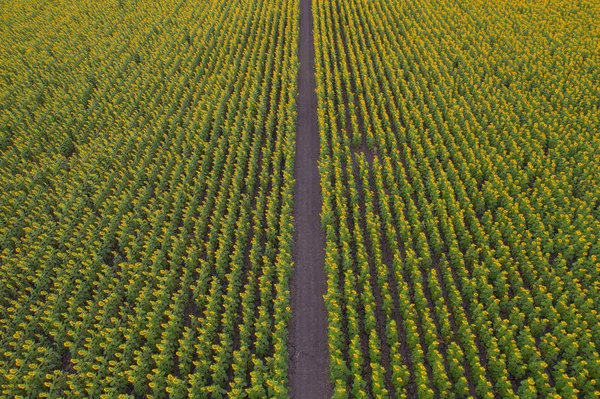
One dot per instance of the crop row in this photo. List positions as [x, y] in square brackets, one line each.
[146, 175]
[460, 197]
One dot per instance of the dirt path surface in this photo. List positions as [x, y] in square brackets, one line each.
[309, 356]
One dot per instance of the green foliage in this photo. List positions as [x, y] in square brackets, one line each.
[459, 193]
[146, 202]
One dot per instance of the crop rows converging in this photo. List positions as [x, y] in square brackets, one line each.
[147, 154]
[146, 178]
[459, 167]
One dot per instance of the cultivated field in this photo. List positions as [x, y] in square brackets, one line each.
[147, 178]
[300, 198]
[460, 179]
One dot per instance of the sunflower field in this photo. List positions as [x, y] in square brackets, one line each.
[146, 179]
[460, 176]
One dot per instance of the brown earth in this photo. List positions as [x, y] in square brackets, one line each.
[308, 349]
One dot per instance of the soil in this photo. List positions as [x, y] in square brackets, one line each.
[308, 347]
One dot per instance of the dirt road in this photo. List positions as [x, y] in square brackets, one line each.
[309, 357]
